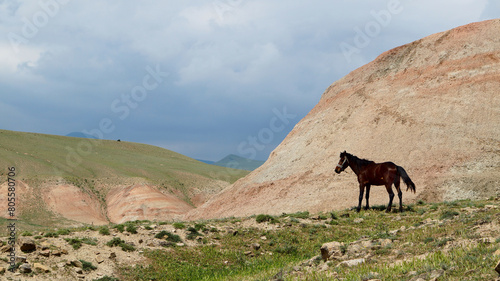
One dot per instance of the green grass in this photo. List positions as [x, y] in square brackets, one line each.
[81, 160]
[421, 249]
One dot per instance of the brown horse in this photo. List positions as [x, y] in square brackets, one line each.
[370, 173]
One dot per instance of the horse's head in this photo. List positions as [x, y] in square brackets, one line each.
[343, 163]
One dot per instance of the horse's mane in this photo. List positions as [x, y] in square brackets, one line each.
[360, 161]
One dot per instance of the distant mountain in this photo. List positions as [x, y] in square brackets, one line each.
[80, 135]
[237, 162]
[206, 161]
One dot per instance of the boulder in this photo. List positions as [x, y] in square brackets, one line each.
[331, 251]
[27, 245]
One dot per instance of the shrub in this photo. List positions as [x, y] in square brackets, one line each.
[199, 226]
[178, 225]
[76, 243]
[118, 242]
[51, 234]
[448, 214]
[114, 242]
[132, 229]
[104, 230]
[120, 227]
[263, 218]
[170, 237]
[300, 215]
[88, 266]
[63, 231]
[193, 233]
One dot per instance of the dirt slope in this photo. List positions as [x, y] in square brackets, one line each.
[431, 106]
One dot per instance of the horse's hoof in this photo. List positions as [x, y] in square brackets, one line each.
[388, 210]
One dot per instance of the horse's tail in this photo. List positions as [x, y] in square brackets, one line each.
[409, 184]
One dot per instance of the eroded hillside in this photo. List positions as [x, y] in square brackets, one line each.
[431, 106]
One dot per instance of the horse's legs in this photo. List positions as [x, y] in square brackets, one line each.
[361, 191]
[391, 196]
[400, 194]
[367, 196]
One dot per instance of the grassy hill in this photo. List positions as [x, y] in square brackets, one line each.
[96, 166]
[235, 161]
[41, 155]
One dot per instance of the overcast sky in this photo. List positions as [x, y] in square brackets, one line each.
[202, 78]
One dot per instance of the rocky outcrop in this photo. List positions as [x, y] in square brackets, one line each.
[431, 106]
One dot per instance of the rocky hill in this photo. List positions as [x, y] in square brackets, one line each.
[431, 106]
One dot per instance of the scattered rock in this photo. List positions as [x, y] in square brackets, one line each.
[331, 250]
[40, 268]
[28, 246]
[5, 248]
[385, 242]
[256, 246]
[76, 263]
[351, 263]
[44, 253]
[2, 270]
[25, 268]
[99, 259]
[358, 220]
[497, 268]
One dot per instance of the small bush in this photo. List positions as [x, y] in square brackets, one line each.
[63, 231]
[334, 216]
[132, 229]
[104, 230]
[51, 234]
[26, 233]
[114, 242]
[120, 227]
[199, 226]
[178, 225]
[300, 215]
[193, 233]
[263, 218]
[127, 247]
[448, 214]
[88, 266]
[76, 243]
[118, 242]
[170, 237]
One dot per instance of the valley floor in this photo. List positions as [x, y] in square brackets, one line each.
[457, 240]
